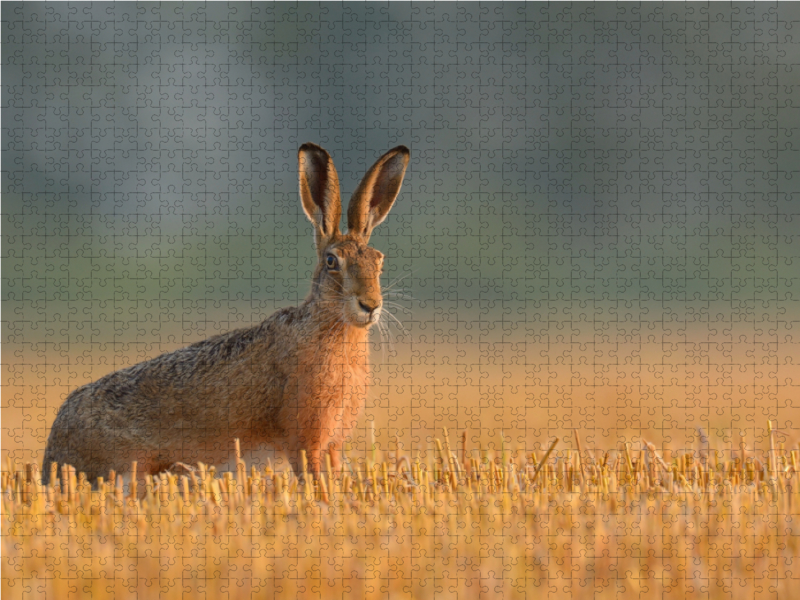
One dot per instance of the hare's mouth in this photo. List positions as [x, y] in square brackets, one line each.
[362, 314]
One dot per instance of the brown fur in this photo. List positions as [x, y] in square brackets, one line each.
[296, 381]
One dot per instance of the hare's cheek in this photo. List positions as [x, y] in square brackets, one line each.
[334, 283]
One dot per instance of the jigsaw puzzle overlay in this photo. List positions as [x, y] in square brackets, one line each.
[594, 242]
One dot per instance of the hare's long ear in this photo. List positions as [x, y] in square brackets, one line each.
[319, 192]
[377, 192]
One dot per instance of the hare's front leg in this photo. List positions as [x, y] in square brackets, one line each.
[316, 426]
[335, 450]
[315, 441]
[304, 441]
[315, 455]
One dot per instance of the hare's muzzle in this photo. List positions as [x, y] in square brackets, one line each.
[369, 306]
[367, 310]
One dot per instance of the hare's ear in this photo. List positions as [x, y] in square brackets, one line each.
[319, 192]
[377, 192]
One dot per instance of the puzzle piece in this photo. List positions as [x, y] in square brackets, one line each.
[594, 242]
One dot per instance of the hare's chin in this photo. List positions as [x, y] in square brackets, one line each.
[364, 322]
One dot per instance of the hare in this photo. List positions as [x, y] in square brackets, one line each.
[297, 381]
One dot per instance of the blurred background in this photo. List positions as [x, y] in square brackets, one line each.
[597, 227]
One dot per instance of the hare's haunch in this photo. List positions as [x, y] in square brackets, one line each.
[297, 381]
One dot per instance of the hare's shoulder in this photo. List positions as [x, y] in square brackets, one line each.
[204, 358]
[279, 328]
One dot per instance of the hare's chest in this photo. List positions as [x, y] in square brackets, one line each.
[346, 382]
[350, 397]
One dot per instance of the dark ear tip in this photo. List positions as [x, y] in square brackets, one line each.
[401, 149]
[310, 147]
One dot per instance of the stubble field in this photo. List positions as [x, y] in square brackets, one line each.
[640, 521]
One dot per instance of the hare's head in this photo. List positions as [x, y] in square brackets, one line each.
[348, 270]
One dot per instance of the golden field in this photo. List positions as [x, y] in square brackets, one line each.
[638, 522]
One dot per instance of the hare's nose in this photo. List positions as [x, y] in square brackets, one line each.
[368, 307]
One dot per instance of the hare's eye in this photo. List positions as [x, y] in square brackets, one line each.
[331, 262]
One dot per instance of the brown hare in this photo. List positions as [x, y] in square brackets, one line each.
[297, 381]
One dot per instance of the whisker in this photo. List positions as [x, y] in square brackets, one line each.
[382, 332]
[390, 337]
[396, 281]
[398, 306]
[399, 294]
[389, 314]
